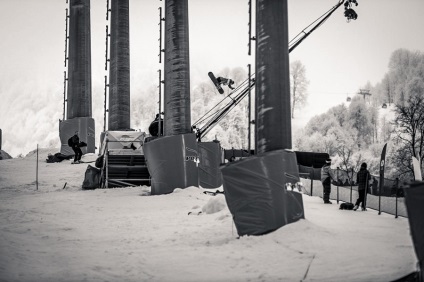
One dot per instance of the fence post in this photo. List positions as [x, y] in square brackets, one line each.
[397, 190]
[337, 179]
[36, 171]
[312, 180]
[351, 184]
[379, 195]
[337, 194]
[106, 160]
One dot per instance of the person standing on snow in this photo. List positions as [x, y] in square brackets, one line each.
[74, 142]
[362, 178]
[326, 178]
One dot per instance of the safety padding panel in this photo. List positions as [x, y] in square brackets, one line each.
[414, 199]
[256, 195]
[210, 154]
[172, 162]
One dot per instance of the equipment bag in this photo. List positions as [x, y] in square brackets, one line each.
[346, 206]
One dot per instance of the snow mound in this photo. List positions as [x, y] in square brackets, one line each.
[215, 204]
[42, 153]
[188, 190]
[107, 234]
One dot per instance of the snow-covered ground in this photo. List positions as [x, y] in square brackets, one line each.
[124, 234]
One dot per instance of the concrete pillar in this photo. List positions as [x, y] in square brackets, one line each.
[177, 69]
[273, 120]
[119, 72]
[79, 67]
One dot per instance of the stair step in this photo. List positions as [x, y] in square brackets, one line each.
[127, 167]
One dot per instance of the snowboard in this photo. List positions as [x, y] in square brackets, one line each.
[82, 144]
[81, 162]
[213, 193]
[216, 83]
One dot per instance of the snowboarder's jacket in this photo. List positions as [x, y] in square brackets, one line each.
[325, 173]
[73, 141]
[362, 178]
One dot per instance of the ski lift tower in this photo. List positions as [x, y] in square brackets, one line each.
[364, 93]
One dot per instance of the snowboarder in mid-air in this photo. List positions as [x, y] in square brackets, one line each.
[217, 81]
[74, 143]
[226, 81]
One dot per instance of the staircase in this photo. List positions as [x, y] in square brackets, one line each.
[123, 168]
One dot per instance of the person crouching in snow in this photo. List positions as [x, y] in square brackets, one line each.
[362, 178]
[326, 178]
[73, 142]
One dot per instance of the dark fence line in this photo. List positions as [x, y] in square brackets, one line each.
[392, 201]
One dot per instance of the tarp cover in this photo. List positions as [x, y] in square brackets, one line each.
[172, 162]
[210, 154]
[122, 140]
[4, 155]
[92, 178]
[237, 154]
[85, 128]
[58, 157]
[295, 210]
[256, 194]
[311, 159]
[414, 199]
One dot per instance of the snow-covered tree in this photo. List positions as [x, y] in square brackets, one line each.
[298, 85]
[409, 127]
[359, 118]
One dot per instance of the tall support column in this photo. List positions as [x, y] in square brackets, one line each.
[273, 120]
[79, 110]
[177, 118]
[79, 67]
[255, 188]
[173, 158]
[119, 73]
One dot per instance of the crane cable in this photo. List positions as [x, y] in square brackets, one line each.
[209, 113]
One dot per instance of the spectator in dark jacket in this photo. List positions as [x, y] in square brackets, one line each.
[326, 178]
[362, 179]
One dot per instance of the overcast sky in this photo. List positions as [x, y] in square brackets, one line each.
[339, 57]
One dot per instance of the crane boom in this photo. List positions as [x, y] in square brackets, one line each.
[243, 90]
